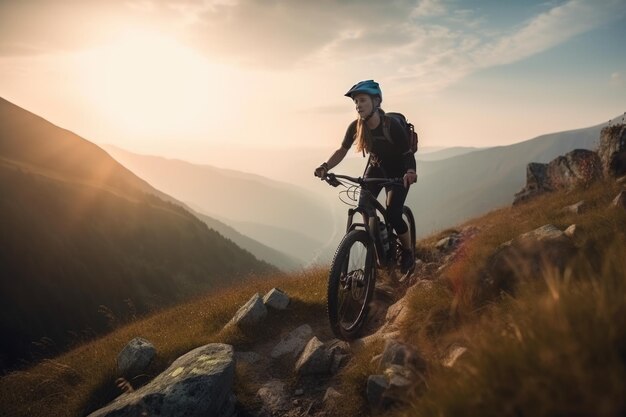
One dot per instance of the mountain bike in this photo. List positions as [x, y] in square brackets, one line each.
[366, 247]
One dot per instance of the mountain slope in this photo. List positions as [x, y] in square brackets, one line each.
[237, 197]
[261, 251]
[80, 232]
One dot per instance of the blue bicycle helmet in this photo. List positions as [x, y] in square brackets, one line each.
[370, 87]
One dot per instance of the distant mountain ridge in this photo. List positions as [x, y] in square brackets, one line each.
[272, 212]
[86, 243]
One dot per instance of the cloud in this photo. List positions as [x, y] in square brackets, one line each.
[549, 29]
[617, 79]
[430, 44]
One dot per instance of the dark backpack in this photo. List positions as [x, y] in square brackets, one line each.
[409, 129]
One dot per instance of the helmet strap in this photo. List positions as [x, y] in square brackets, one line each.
[371, 114]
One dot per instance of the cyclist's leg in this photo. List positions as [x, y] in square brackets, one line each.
[396, 196]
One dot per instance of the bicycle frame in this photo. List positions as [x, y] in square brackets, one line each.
[367, 207]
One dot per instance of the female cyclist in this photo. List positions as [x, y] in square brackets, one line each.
[388, 159]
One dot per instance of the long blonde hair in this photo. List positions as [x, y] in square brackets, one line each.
[363, 135]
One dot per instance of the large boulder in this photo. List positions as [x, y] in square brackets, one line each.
[578, 167]
[198, 383]
[527, 255]
[135, 357]
[612, 150]
[536, 180]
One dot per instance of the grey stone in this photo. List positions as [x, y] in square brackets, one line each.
[274, 397]
[198, 383]
[337, 361]
[526, 256]
[571, 231]
[250, 314]
[397, 353]
[453, 355]
[136, 356]
[447, 243]
[578, 167]
[620, 200]
[375, 391]
[248, 357]
[612, 150]
[293, 343]
[331, 396]
[398, 376]
[276, 299]
[577, 208]
[315, 359]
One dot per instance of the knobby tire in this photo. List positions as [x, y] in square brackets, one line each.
[337, 288]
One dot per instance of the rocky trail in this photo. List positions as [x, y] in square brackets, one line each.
[292, 374]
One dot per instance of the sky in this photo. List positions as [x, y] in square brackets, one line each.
[186, 78]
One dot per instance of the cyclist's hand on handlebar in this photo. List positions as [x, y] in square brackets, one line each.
[321, 171]
[409, 178]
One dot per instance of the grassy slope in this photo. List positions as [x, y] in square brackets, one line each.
[80, 231]
[557, 348]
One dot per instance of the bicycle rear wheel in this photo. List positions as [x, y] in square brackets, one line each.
[351, 284]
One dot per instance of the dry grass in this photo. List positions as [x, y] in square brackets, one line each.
[83, 379]
[353, 381]
[557, 349]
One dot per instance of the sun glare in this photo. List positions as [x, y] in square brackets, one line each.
[147, 83]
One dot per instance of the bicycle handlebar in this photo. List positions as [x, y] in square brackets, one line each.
[331, 179]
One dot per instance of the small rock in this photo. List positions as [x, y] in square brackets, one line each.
[455, 353]
[331, 396]
[293, 343]
[577, 208]
[276, 299]
[338, 360]
[396, 353]
[620, 200]
[376, 387]
[315, 359]
[135, 357]
[299, 391]
[570, 231]
[399, 377]
[248, 357]
[274, 397]
[250, 314]
[446, 243]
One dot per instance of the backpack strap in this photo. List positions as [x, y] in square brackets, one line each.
[387, 128]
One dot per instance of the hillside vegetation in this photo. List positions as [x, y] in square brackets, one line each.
[553, 346]
[86, 245]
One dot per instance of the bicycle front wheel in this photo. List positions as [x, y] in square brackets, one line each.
[351, 284]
